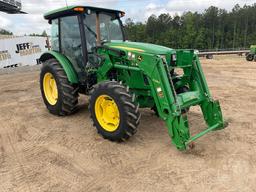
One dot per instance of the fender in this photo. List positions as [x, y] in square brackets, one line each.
[65, 63]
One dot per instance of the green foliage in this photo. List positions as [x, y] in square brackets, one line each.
[215, 28]
[44, 34]
[5, 32]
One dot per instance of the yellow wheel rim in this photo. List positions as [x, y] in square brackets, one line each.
[50, 89]
[107, 113]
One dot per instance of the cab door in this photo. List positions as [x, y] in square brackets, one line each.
[71, 43]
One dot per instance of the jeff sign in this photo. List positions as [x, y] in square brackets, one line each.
[21, 51]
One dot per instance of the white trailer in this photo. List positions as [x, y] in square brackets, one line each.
[21, 51]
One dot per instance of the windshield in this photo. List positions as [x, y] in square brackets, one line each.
[109, 25]
[110, 28]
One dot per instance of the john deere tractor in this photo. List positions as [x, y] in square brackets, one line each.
[252, 54]
[90, 55]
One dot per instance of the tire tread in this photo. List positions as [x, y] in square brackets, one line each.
[68, 92]
[131, 112]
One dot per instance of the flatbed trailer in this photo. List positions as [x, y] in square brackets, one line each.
[209, 55]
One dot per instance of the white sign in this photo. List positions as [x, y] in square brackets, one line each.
[21, 51]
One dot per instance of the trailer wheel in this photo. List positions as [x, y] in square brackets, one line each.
[255, 58]
[209, 56]
[59, 95]
[250, 57]
[113, 111]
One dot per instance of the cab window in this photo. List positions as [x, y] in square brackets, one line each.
[55, 35]
[71, 43]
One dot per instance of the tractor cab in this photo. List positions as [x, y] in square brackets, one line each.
[77, 30]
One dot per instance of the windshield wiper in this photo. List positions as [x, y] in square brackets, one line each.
[89, 29]
[95, 35]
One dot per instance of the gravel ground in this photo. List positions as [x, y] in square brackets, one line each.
[41, 152]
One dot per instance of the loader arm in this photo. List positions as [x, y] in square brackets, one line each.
[169, 104]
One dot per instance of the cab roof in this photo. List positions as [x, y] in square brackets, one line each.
[69, 10]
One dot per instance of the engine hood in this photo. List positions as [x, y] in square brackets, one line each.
[140, 47]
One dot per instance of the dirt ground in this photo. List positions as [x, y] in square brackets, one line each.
[43, 153]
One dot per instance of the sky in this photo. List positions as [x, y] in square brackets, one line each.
[138, 10]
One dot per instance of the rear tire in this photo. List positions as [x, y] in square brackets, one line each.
[66, 93]
[105, 118]
[250, 57]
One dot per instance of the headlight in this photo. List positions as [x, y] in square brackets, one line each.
[131, 56]
[174, 57]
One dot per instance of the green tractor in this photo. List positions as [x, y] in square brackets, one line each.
[252, 54]
[90, 55]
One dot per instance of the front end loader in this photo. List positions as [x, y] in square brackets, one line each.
[90, 55]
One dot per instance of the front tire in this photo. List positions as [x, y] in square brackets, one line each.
[113, 111]
[59, 95]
